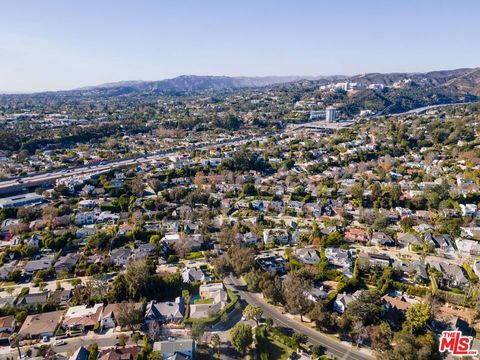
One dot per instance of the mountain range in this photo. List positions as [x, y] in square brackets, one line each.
[465, 80]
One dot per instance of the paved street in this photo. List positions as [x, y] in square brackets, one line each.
[103, 341]
[332, 346]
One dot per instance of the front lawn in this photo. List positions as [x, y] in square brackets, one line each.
[193, 255]
[270, 348]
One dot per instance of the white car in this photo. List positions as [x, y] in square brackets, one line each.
[59, 343]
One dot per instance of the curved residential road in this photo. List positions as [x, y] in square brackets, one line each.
[332, 346]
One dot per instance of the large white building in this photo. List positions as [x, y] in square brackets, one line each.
[331, 114]
[21, 200]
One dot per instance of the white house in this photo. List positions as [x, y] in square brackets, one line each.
[342, 300]
[278, 236]
[468, 209]
[85, 218]
[307, 256]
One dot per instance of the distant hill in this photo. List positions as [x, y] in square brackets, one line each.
[464, 80]
[201, 83]
[423, 89]
[433, 78]
[468, 82]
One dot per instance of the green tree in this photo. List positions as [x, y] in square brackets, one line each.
[136, 338]
[93, 351]
[137, 276]
[410, 347]
[366, 309]
[418, 316]
[198, 329]
[381, 336]
[295, 286]
[215, 341]
[299, 339]
[253, 312]
[241, 337]
[249, 189]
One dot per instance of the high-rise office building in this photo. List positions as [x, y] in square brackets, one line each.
[331, 114]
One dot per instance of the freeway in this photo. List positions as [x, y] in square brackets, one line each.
[333, 347]
[17, 183]
[419, 110]
[37, 179]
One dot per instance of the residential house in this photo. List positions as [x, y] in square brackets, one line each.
[80, 354]
[298, 233]
[296, 206]
[67, 262]
[110, 313]
[468, 247]
[170, 239]
[107, 217]
[395, 309]
[444, 242]
[453, 274]
[216, 298]
[196, 242]
[469, 210]
[339, 257]
[272, 264]
[60, 297]
[86, 204]
[476, 267]
[40, 325]
[6, 269]
[165, 312]
[398, 303]
[380, 238]
[32, 299]
[121, 256]
[82, 317]
[7, 324]
[277, 236]
[119, 353]
[414, 269]
[342, 300]
[250, 238]
[307, 256]
[144, 251]
[373, 259]
[317, 293]
[191, 227]
[406, 239]
[356, 235]
[86, 231]
[276, 206]
[190, 275]
[169, 348]
[85, 218]
[35, 265]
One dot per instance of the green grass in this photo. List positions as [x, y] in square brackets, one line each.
[433, 282]
[203, 301]
[471, 274]
[270, 348]
[194, 255]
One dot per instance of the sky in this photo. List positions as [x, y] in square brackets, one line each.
[54, 45]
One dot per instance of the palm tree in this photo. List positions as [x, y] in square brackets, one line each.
[14, 340]
[215, 341]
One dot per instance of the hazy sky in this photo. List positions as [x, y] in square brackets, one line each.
[50, 45]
